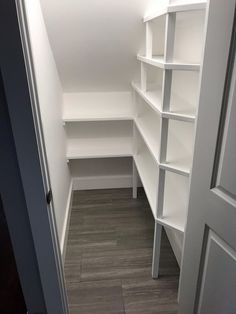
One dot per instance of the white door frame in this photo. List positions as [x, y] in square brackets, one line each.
[21, 98]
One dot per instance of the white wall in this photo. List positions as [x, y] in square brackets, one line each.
[50, 100]
[95, 42]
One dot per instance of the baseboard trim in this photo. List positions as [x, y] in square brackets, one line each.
[65, 229]
[102, 182]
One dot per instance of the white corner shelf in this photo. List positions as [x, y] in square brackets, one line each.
[99, 148]
[174, 8]
[158, 61]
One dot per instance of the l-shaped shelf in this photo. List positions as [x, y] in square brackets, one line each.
[158, 61]
[174, 8]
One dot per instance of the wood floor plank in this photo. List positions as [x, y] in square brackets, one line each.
[146, 296]
[109, 256]
[98, 297]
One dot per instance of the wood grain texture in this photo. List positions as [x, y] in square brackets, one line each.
[109, 256]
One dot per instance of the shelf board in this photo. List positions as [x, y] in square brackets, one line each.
[91, 116]
[174, 8]
[178, 116]
[99, 148]
[158, 61]
[146, 184]
[154, 98]
[176, 168]
[171, 222]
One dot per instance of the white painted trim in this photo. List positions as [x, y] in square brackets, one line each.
[65, 228]
[102, 182]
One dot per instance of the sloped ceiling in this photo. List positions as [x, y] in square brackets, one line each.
[95, 42]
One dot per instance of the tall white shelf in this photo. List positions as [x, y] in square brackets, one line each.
[156, 129]
[166, 103]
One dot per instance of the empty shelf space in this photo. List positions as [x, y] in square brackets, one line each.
[153, 97]
[179, 147]
[173, 8]
[109, 106]
[152, 145]
[158, 61]
[147, 184]
[148, 170]
[99, 148]
[148, 123]
[175, 202]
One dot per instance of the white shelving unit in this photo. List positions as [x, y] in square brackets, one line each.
[166, 100]
[156, 126]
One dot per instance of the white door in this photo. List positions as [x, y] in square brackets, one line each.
[208, 276]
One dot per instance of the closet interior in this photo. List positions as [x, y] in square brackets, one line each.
[148, 136]
[125, 120]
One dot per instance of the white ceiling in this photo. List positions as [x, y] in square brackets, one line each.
[95, 41]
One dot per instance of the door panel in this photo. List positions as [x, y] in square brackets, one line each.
[208, 273]
[11, 296]
[218, 278]
[226, 172]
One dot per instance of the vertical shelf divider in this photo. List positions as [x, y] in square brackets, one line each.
[169, 37]
[166, 91]
[134, 171]
[143, 77]
[149, 36]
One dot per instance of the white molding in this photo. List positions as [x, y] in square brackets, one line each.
[102, 182]
[64, 236]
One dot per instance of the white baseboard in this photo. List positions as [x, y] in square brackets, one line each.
[66, 223]
[176, 242]
[102, 182]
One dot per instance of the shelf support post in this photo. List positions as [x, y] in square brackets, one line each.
[148, 40]
[143, 77]
[169, 37]
[156, 250]
[166, 90]
[135, 180]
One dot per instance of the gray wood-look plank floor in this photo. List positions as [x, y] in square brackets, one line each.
[109, 256]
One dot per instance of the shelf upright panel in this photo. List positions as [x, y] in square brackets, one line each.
[135, 171]
[143, 77]
[166, 91]
[149, 40]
